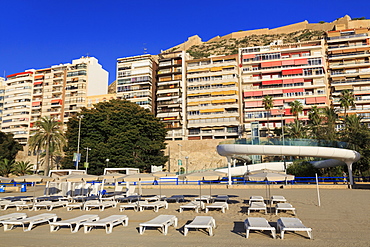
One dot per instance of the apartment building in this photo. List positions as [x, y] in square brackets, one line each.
[171, 93]
[349, 57]
[136, 80]
[2, 94]
[213, 110]
[59, 91]
[287, 72]
[95, 99]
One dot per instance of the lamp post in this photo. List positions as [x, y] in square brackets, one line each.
[187, 160]
[179, 162]
[78, 140]
[87, 158]
[107, 160]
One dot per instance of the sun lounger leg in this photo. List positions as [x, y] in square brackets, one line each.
[247, 233]
[186, 231]
[210, 231]
[282, 234]
[273, 232]
[109, 229]
[8, 227]
[310, 234]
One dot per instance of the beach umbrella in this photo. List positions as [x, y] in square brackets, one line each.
[160, 175]
[203, 176]
[139, 177]
[268, 176]
[78, 178]
[34, 178]
[5, 180]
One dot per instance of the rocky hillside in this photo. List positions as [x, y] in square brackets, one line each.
[231, 46]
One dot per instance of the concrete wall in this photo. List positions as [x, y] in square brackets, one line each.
[202, 155]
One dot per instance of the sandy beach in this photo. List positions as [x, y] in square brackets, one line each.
[343, 219]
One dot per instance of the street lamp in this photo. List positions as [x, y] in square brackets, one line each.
[179, 162]
[187, 160]
[78, 139]
[107, 160]
[282, 132]
[87, 158]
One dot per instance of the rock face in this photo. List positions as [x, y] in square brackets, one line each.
[202, 155]
[297, 32]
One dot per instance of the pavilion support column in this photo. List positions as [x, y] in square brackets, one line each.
[350, 173]
[229, 161]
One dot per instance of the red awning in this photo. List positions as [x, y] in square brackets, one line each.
[276, 64]
[272, 82]
[21, 73]
[291, 120]
[248, 94]
[257, 93]
[287, 62]
[251, 104]
[59, 101]
[301, 61]
[37, 83]
[288, 112]
[310, 101]
[278, 102]
[298, 80]
[321, 99]
[267, 92]
[36, 103]
[292, 72]
[266, 64]
[288, 81]
[248, 56]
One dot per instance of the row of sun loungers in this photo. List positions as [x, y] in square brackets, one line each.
[283, 224]
[162, 221]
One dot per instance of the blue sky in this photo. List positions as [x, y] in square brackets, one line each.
[38, 34]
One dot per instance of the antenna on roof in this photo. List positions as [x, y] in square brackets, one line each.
[145, 49]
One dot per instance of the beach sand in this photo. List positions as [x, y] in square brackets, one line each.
[343, 219]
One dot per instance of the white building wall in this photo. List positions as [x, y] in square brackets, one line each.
[97, 76]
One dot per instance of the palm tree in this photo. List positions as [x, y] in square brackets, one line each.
[22, 168]
[6, 167]
[315, 120]
[49, 137]
[268, 104]
[296, 108]
[296, 130]
[330, 118]
[346, 100]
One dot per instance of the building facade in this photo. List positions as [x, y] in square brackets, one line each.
[59, 92]
[171, 93]
[349, 67]
[136, 80]
[213, 89]
[286, 72]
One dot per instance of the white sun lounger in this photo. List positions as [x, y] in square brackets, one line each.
[224, 198]
[5, 204]
[218, 205]
[176, 198]
[284, 206]
[20, 205]
[257, 206]
[88, 205]
[162, 221]
[76, 222]
[292, 224]
[108, 222]
[206, 222]
[256, 199]
[155, 198]
[48, 205]
[72, 205]
[155, 205]
[277, 199]
[134, 206]
[13, 216]
[31, 221]
[259, 224]
[196, 205]
[206, 198]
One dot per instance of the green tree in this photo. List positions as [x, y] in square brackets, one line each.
[22, 168]
[295, 130]
[268, 104]
[49, 137]
[8, 146]
[121, 131]
[328, 127]
[6, 167]
[302, 168]
[296, 108]
[314, 122]
[346, 100]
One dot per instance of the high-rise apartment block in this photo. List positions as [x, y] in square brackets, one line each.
[349, 66]
[286, 72]
[59, 91]
[171, 93]
[213, 110]
[136, 80]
